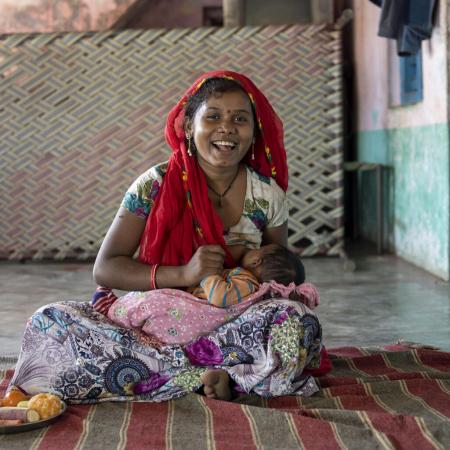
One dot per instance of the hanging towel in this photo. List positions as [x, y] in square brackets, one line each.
[407, 21]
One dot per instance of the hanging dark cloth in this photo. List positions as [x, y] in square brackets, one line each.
[407, 21]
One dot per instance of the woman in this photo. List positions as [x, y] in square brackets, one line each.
[222, 190]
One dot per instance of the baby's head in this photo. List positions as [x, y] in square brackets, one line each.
[274, 262]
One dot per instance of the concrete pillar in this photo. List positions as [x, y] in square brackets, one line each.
[322, 11]
[233, 13]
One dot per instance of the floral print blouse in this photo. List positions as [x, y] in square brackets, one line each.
[265, 204]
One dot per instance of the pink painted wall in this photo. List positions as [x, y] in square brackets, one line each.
[372, 74]
[23, 16]
[412, 140]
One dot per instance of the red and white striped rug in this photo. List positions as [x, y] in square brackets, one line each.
[394, 398]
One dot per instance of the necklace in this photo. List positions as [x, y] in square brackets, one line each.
[221, 196]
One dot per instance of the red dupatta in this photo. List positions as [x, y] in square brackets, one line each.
[182, 217]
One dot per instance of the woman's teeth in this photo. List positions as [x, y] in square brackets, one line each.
[224, 145]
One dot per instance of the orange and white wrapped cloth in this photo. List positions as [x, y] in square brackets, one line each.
[230, 288]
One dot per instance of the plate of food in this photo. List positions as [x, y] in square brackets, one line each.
[19, 412]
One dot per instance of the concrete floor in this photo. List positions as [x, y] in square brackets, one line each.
[384, 300]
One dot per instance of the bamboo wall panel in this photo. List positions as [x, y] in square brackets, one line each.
[82, 114]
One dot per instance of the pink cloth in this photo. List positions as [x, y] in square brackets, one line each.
[177, 317]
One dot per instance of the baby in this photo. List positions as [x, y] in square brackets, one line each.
[269, 262]
[173, 316]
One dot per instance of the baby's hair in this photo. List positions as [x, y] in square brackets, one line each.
[283, 266]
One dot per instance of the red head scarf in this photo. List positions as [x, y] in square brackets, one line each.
[182, 217]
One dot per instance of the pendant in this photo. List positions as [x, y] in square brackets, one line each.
[220, 202]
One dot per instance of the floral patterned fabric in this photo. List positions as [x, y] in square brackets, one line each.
[174, 316]
[265, 204]
[73, 351]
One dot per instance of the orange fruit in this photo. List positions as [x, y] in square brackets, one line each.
[13, 397]
[47, 405]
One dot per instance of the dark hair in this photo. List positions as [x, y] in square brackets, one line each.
[283, 266]
[210, 87]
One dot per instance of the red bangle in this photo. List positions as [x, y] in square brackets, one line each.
[153, 276]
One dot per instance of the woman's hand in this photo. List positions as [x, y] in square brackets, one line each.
[116, 268]
[207, 260]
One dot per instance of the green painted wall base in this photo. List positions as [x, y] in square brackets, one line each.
[416, 193]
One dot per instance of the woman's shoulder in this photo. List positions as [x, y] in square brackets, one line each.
[262, 181]
[258, 177]
[141, 195]
[263, 187]
[265, 202]
[156, 172]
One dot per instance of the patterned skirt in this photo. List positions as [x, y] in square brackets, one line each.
[77, 353]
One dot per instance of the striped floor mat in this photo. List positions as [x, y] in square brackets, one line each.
[390, 398]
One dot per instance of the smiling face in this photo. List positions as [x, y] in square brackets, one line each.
[222, 129]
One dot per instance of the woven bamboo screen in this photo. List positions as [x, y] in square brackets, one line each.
[81, 115]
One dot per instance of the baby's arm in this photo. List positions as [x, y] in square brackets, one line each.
[225, 291]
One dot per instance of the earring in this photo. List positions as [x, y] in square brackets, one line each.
[253, 149]
[189, 151]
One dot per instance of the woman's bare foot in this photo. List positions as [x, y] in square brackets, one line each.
[216, 384]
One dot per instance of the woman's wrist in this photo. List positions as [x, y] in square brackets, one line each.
[170, 277]
[153, 270]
